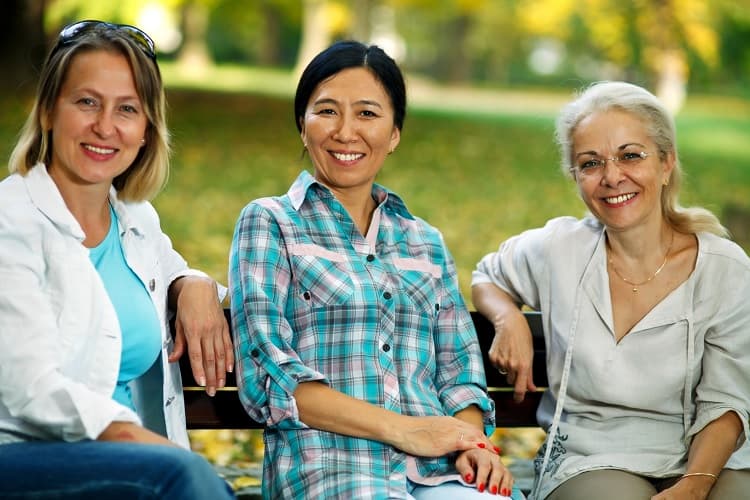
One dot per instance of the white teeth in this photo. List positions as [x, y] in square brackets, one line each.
[101, 151]
[347, 156]
[619, 199]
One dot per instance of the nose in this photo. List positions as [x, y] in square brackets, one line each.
[346, 129]
[103, 125]
[612, 173]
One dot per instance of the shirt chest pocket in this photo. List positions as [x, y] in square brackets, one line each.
[320, 276]
[419, 280]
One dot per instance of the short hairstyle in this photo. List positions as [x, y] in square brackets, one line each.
[352, 54]
[660, 127]
[148, 173]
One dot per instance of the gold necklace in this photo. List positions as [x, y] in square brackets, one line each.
[632, 283]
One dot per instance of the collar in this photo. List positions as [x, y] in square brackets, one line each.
[384, 197]
[47, 199]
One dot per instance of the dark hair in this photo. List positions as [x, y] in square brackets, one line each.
[352, 54]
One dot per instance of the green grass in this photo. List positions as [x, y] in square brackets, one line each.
[479, 177]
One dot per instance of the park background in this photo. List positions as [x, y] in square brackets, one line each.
[485, 80]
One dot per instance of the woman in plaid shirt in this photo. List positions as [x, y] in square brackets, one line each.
[355, 346]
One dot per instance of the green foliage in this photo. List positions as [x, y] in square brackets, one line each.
[479, 177]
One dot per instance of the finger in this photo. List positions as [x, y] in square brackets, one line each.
[208, 362]
[519, 387]
[505, 479]
[196, 362]
[465, 468]
[228, 346]
[221, 371]
[483, 467]
[179, 343]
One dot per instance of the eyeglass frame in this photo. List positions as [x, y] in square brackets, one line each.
[619, 160]
[71, 32]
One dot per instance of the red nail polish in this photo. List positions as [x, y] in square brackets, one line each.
[498, 450]
[468, 478]
[505, 492]
[481, 445]
[481, 487]
[493, 490]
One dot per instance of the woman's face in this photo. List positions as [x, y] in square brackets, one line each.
[621, 195]
[98, 122]
[348, 129]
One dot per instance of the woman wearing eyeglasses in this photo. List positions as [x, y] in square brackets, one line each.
[646, 315]
[90, 394]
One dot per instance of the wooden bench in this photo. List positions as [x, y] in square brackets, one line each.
[224, 411]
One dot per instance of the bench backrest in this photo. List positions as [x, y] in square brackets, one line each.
[224, 411]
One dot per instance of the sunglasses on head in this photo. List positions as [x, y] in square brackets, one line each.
[72, 31]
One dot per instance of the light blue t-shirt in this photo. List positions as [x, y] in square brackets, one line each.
[139, 323]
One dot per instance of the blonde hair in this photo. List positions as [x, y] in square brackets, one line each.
[645, 106]
[149, 172]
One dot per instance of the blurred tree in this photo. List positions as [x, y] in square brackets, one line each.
[23, 41]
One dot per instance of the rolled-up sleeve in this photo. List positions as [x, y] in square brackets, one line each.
[259, 278]
[519, 265]
[725, 383]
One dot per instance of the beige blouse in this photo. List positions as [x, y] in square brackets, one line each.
[634, 404]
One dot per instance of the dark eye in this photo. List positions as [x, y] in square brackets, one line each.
[369, 114]
[631, 157]
[590, 165]
[326, 111]
[86, 101]
[128, 108]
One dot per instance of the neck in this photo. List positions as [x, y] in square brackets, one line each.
[359, 205]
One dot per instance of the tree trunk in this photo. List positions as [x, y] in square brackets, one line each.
[24, 44]
[194, 57]
[316, 33]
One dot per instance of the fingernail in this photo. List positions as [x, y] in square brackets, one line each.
[202, 381]
[505, 492]
[481, 445]
[493, 490]
[481, 487]
[498, 450]
[211, 391]
[230, 368]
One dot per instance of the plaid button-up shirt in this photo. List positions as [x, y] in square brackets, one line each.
[377, 317]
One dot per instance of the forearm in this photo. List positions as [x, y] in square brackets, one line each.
[472, 415]
[712, 446]
[324, 408]
[709, 452]
[492, 301]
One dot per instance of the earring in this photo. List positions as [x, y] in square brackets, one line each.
[143, 142]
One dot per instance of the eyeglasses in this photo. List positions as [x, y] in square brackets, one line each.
[593, 166]
[72, 31]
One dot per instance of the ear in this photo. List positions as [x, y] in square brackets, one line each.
[668, 165]
[395, 138]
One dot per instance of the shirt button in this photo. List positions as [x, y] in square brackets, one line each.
[307, 295]
[437, 307]
[387, 295]
[254, 353]
[370, 258]
[386, 347]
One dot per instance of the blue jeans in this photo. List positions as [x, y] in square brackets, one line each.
[46, 470]
[453, 490]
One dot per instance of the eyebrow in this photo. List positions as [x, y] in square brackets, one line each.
[620, 148]
[366, 102]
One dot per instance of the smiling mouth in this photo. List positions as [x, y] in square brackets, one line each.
[98, 150]
[347, 156]
[614, 200]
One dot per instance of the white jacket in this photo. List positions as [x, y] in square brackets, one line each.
[60, 340]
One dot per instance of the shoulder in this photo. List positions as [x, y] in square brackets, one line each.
[717, 253]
